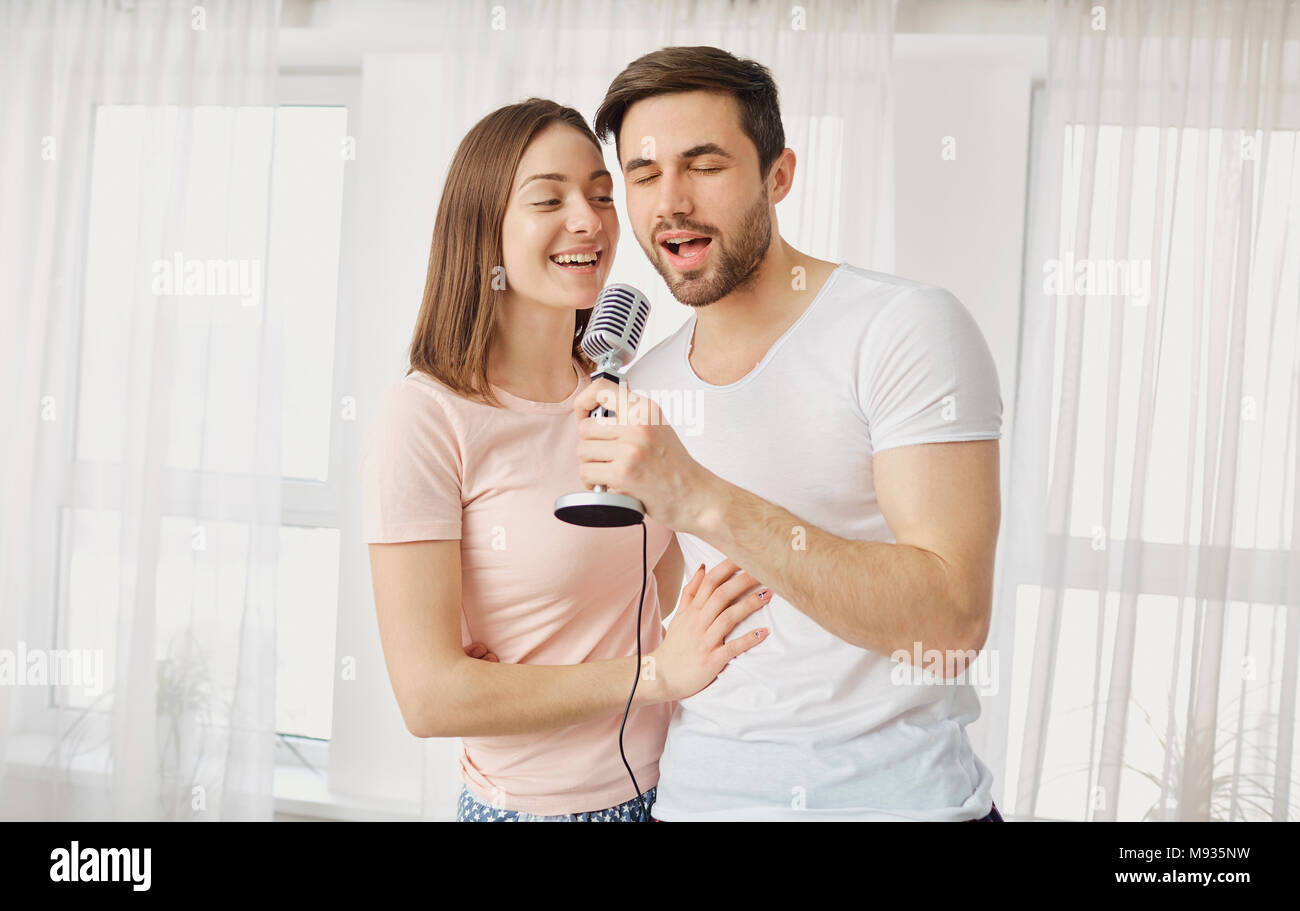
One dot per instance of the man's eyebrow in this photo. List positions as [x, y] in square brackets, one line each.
[704, 148]
[600, 172]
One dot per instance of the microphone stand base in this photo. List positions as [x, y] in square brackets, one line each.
[599, 509]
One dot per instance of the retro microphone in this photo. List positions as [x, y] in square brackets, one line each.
[612, 335]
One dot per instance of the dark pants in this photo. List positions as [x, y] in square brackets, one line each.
[994, 816]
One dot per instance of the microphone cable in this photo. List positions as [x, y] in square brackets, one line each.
[640, 604]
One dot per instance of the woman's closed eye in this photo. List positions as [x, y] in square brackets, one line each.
[556, 202]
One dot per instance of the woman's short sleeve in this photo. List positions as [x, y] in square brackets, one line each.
[411, 469]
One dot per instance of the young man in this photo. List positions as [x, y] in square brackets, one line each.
[844, 452]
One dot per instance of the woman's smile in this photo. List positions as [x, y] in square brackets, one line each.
[579, 261]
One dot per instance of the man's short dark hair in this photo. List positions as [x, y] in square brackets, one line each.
[710, 69]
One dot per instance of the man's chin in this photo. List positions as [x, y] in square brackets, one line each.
[691, 289]
[696, 302]
[693, 293]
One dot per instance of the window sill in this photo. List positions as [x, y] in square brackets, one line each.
[305, 794]
[300, 793]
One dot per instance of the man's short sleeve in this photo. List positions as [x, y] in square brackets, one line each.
[926, 374]
[410, 470]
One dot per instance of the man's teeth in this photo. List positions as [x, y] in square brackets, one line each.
[676, 245]
[574, 258]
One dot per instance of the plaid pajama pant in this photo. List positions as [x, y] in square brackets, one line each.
[470, 809]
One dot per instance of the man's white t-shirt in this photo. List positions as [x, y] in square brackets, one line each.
[806, 726]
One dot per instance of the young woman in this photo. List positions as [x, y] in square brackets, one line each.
[460, 471]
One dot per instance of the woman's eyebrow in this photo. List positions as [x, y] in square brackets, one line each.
[560, 178]
[704, 148]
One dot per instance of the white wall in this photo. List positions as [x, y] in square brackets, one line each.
[961, 221]
[403, 155]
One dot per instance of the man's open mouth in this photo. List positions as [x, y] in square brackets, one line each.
[685, 250]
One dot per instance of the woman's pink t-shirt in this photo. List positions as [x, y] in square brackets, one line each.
[535, 590]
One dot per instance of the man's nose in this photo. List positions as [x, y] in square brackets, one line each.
[674, 199]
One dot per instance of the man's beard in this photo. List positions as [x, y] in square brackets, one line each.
[732, 269]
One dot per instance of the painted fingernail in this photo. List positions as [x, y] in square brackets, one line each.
[760, 633]
[764, 595]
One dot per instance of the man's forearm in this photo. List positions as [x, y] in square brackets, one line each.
[875, 595]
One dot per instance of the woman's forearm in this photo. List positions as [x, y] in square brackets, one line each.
[476, 698]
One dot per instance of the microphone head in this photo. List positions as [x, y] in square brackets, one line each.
[616, 324]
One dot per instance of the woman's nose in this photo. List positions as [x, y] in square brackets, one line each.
[583, 219]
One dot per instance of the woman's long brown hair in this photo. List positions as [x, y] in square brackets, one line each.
[466, 277]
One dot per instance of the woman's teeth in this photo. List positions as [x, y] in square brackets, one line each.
[577, 259]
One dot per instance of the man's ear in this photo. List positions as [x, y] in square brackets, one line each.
[781, 176]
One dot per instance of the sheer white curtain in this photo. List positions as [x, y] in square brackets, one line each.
[141, 368]
[832, 63]
[1150, 573]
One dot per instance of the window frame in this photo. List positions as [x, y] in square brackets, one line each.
[1253, 577]
[1085, 563]
[305, 503]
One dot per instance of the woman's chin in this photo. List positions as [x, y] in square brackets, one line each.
[581, 298]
